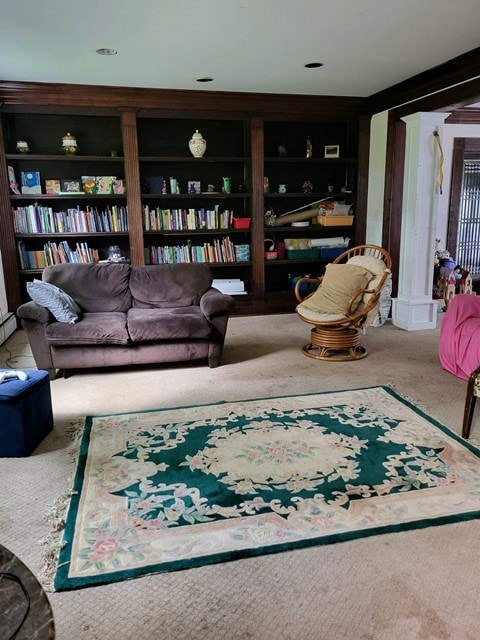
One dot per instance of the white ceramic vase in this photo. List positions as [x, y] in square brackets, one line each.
[197, 144]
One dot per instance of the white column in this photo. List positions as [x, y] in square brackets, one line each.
[414, 308]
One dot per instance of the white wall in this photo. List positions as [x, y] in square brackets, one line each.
[376, 177]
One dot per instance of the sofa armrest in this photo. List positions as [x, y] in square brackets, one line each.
[33, 311]
[214, 302]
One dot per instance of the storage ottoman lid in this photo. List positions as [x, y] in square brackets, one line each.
[13, 388]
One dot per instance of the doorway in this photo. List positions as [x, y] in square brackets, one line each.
[463, 233]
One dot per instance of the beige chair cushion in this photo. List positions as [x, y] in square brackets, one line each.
[339, 284]
[376, 266]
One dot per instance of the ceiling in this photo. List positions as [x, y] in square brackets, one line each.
[245, 45]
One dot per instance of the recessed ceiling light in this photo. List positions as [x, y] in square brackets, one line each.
[313, 65]
[204, 79]
[106, 52]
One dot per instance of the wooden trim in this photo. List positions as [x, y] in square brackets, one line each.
[464, 116]
[461, 69]
[39, 94]
[455, 193]
[257, 244]
[362, 180]
[132, 183]
[394, 171]
[7, 238]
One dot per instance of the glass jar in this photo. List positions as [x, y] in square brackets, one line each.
[114, 253]
[22, 146]
[69, 144]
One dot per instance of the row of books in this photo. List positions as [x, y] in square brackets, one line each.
[186, 219]
[54, 253]
[218, 251]
[38, 219]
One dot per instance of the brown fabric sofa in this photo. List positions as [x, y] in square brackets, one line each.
[129, 315]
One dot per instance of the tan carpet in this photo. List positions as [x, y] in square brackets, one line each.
[417, 585]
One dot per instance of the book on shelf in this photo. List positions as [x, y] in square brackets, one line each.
[39, 219]
[12, 180]
[186, 219]
[53, 253]
[88, 184]
[52, 187]
[104, 184]
[31, 182]
[218, 251]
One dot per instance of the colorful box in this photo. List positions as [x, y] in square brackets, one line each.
[335, 221]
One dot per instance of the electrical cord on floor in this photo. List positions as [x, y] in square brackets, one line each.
[14, 578]
[12, 360]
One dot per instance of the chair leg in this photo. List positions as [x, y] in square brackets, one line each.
[470, 401]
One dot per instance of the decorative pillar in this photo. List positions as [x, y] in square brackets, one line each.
[414, 307]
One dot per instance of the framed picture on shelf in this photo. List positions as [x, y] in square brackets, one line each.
[194, 187]
[70, 185]
[332, 151]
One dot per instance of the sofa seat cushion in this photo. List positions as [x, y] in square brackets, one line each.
[146, 325]
[94, 328]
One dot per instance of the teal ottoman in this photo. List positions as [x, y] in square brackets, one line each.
[25, 413]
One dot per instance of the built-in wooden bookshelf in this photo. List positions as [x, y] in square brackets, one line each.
[141, 138]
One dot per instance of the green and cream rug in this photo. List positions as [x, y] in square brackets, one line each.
[182, 487]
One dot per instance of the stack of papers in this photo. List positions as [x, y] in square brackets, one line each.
[232, 286]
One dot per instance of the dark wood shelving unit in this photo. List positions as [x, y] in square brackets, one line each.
[149, 130]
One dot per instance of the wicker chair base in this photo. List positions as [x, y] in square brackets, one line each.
[337, 345]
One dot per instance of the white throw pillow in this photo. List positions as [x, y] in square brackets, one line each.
[60, 304]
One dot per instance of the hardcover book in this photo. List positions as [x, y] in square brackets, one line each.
[119, 187]
[31, 182]
[88, 184]
[104, 184]
[52, 187]
[153, 184]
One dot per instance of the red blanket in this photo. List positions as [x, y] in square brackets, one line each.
[459, 346]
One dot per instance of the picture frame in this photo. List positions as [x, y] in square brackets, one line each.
[70, 185]
[332, 151]
[194, 187]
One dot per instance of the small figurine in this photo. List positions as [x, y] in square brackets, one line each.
[309, 147]
[164, 187]
[307, 187]
[270, 218]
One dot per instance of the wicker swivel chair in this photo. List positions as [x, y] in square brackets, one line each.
[346, 295]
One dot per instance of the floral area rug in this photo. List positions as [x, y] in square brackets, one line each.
[182, 487]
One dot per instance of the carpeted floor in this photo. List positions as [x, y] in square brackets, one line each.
[412, 585]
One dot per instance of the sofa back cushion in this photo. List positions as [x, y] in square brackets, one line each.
[94, 287]
[169, 285]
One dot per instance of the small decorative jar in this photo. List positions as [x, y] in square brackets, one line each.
[22, 147]
[69, 144]
[197, 145]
